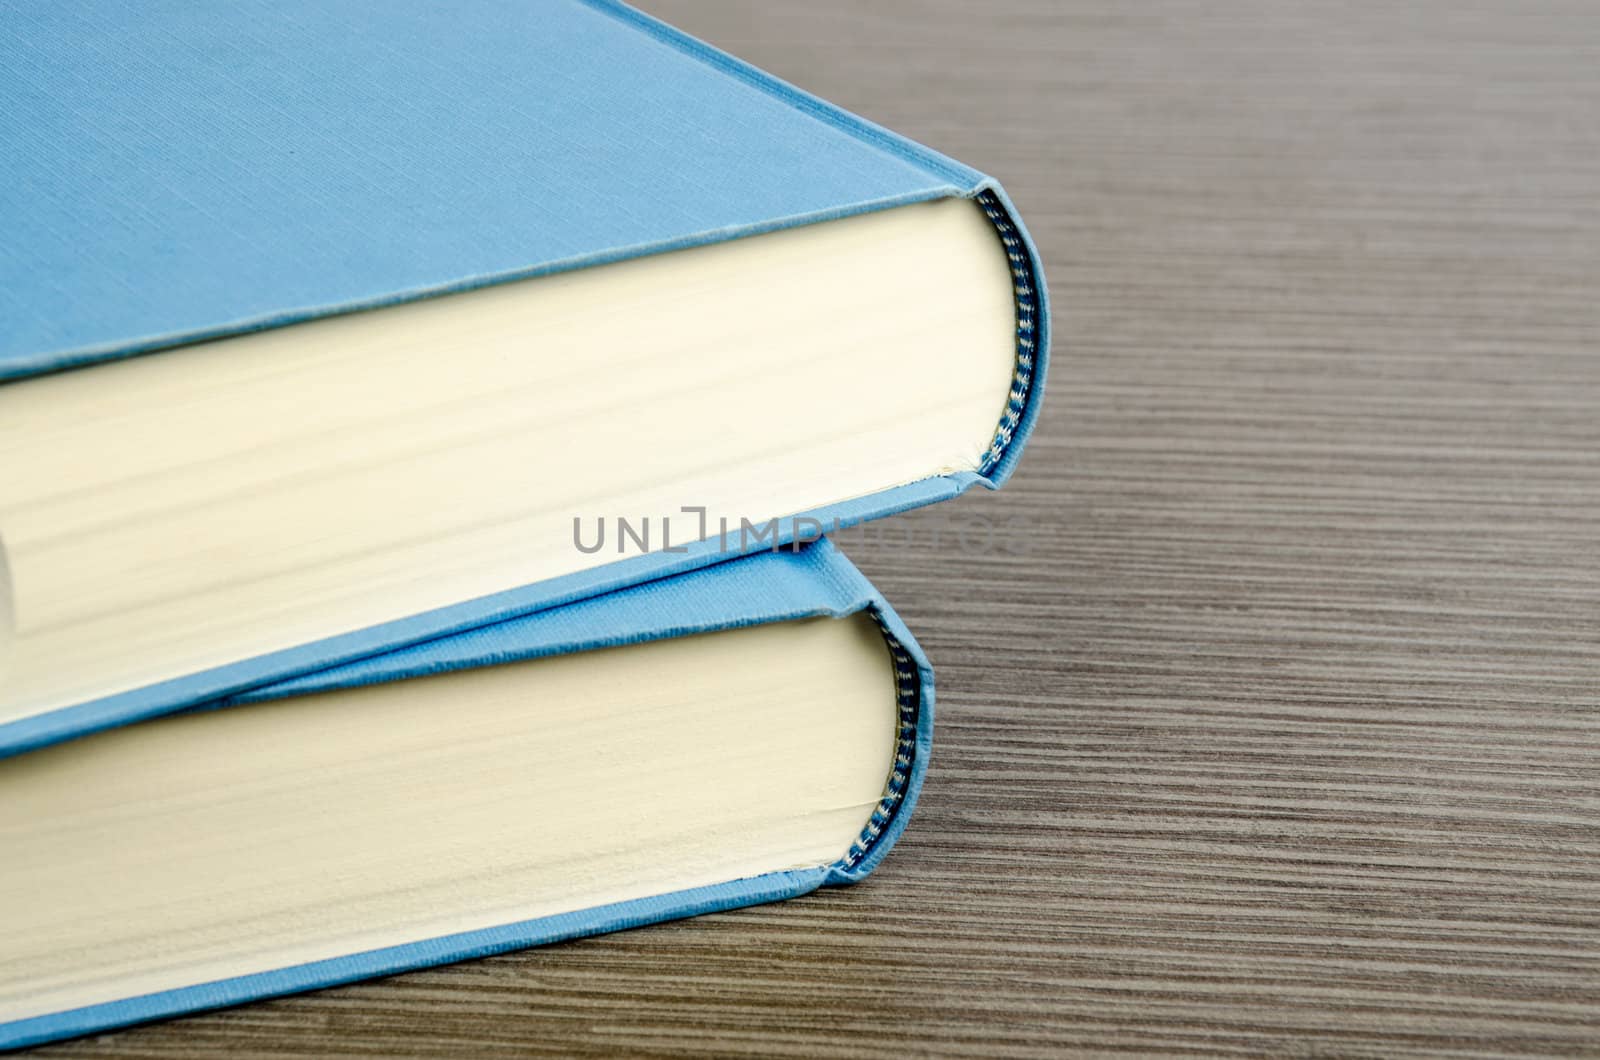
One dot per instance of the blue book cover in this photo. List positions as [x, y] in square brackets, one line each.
[809, 582]
[173, 173]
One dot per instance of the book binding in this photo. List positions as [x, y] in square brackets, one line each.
[813, 580]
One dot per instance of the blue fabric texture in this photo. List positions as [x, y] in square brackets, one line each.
[815, 579]
[810, 581]
[176, 172]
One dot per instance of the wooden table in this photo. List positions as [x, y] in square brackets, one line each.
[1282, 733]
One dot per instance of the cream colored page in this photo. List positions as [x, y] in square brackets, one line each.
[175, 512]
[207, 846]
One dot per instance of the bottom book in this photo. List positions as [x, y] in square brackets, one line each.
[743, 733]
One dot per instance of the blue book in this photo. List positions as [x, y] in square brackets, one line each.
[742, 733]
[331, 328]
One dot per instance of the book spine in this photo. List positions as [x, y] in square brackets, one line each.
[913, 747]
[1032, 299]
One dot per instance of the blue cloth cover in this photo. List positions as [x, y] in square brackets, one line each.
[768, 587]
[172, 171]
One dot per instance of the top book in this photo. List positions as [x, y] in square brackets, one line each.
[330, 328]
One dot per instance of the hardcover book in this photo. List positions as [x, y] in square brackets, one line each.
[332, 328]
[741, 733]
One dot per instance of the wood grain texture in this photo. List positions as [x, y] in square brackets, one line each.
[1282, 737]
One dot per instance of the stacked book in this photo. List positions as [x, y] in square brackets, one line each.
[419, 432]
